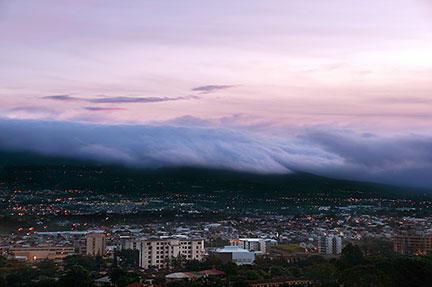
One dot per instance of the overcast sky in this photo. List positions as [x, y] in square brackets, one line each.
[272, 69]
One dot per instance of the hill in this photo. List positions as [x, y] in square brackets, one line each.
[30, 171]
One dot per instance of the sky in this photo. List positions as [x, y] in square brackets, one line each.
[336, 87]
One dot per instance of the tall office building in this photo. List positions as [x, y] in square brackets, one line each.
[330, 245]
[160, 252]
[96, 244]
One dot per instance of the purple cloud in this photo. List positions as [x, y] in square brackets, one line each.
[101, 109]
[65, 98]
[137, 100]
[211, 88]
[33, 110]
[118, 100]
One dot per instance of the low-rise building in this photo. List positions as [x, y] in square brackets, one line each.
[41, 252]
[257, 245]
[234, 254]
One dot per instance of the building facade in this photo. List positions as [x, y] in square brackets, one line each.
[234, 254]
[257, 245]
[330, 245]
[160, 253]
[413, 244]
[96, 244]
[30, 253]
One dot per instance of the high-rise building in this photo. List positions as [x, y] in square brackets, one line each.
[96, 244]
[413, 244]
[257, 245]
[161, 252]
[330, 245]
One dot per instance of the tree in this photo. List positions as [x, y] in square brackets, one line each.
[373, 246]
[251, 275]
[212, 263]
[295, 271]
[364, 276]
[193, 265]
[159, 280]
[323, 273]
[115, 275]
[89, 263]
[20, 277]
[230, 268]
[350, 257]
[76, 276]
[4, 262]
[47, 268]
[240, 283]
[129, 258]
[127, 279]
[48, 282]
[213, 282]
[179, 261]
[414, 271]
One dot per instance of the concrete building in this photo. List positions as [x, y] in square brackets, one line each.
[96, 244]
[330, 245]
[413, 244]
[160, 252]
[41, 252]
[257, 245]
[234, 254]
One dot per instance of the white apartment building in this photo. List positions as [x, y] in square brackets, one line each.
[159, 252]
[330, 245]
[257, 245]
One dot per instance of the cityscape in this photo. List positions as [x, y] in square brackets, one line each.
[197, 232]
[198, 143]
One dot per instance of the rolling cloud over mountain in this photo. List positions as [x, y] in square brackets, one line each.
[335, 153]
[337, 88]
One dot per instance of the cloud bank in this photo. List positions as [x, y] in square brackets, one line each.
[337, 153]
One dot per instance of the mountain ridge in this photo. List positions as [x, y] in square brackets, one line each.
[62, 173]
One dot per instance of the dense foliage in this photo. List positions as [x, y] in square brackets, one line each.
[352, 268]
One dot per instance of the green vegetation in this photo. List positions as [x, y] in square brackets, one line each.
[352, 269]
[291, 248]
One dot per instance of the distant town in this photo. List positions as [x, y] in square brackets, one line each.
[170, 239]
